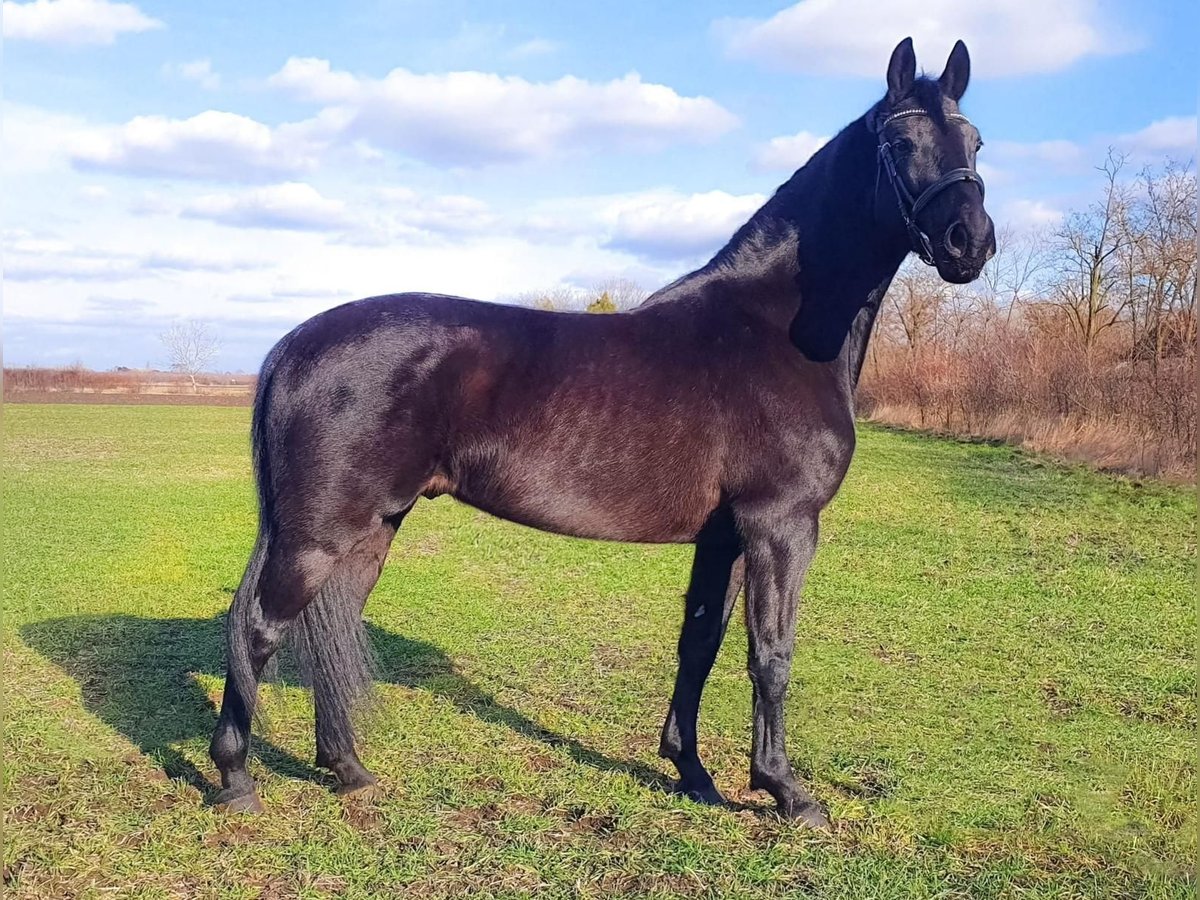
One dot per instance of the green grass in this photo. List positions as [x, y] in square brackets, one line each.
[994, 690]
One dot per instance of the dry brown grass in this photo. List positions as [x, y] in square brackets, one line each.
[1106, 446]
[55, 384]
[1005, 381]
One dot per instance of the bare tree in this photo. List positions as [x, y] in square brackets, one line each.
[191, 346]
[610, 295]
[551, 299]
[1013, 273]
[1161, 262]
[622, 292]
[915, 304]
[1089, 247]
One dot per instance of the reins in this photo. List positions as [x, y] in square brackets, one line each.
[910, 207]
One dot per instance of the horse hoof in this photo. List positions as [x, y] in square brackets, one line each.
[706, 795]
[360, 790]
[241, 802]
[809, 814]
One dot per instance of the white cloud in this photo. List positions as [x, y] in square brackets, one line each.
[95, 192]
[535, 47]
[474, 118]
[1005, 37]
[658, 226]
[121, 306]
[32, 258]
[1173, 136]
[788, 152]
[292, 206]
[171, 260]
[212, 144]
[446, 214]
[389, 216]
[1061, 155]
[314, 79]
[74, 22]
[37, 140]
[45, 261]
[288, 294]
[1023, 214]
[199, 71]
[993, 176]
[668, 225]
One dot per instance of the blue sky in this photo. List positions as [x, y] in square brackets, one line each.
[251, 164]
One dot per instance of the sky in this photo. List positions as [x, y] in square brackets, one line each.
[251, 164]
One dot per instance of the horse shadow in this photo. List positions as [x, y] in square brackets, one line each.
[137, 676]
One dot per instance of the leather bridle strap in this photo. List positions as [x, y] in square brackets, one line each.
[911, 207]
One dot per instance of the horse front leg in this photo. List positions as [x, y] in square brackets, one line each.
[715, 582]
[777, 558]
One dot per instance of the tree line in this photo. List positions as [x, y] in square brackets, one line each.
[1079, 338]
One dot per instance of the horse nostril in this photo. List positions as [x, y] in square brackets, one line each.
[957, 239]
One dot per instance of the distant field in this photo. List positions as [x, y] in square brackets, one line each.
[75, 384]
[239, 397]
[994, 691]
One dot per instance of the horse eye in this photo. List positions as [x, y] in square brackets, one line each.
[979, 145]
[903, 145]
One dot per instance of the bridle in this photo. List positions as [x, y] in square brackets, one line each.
[910, 208]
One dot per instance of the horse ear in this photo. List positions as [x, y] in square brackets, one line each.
[958, 72]
[902, 71]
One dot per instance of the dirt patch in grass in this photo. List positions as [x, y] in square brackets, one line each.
[542, 762]
[1059, 702]
[231, 833]
[895, 657]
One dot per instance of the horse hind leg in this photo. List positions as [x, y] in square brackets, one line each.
[336, 657]
[273, 591]
[282, 583]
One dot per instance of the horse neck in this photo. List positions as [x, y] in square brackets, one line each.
[820, 253]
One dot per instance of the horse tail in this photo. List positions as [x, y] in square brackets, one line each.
[336, 659]
[245, 612]
[328, 640]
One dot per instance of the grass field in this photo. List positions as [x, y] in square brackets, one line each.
[994, 690]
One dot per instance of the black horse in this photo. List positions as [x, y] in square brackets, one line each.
[719, 413]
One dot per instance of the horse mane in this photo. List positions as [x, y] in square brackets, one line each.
[773, 228]
[771, 234]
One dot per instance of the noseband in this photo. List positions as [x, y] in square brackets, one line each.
[910, 207]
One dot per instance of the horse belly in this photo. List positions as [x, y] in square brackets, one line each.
[615, 503]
